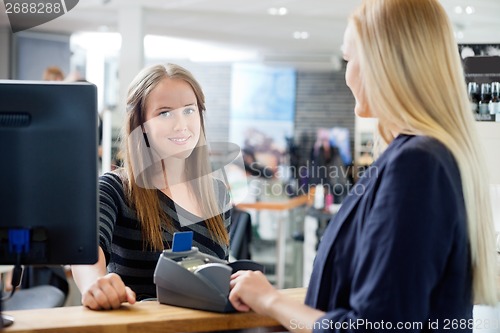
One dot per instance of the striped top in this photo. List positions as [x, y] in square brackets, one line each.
[121, 240]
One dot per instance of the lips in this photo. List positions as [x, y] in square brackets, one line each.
[180, 140]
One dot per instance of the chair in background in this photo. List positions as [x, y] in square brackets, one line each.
[240, 234]
[41, 287]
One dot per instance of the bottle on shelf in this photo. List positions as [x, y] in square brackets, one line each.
[473, 90]
[319, 197]
[484, 103]
[495, 100]
[328, 201]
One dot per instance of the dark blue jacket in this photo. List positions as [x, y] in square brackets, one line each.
[397, 252]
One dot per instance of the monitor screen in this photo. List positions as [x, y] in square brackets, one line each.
[48, 173]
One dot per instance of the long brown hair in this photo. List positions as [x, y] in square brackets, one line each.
[145, 198]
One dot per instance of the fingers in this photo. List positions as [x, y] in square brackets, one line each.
[130, 294]
[110, 294]
[235, 277]
[250, 290]
[238, 273]
[89, 301]
[107, 293]
[118, 287]
[251, 277]
[236, 289]
[237, 303]
[235, 299]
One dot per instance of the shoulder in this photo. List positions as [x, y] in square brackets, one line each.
[418, 143]
[112, 178]
[423, 149]
[423, 159]
[113, 182]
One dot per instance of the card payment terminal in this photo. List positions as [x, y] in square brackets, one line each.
[186, 277]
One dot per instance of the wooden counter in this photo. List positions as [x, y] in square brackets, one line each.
[145, 317]
[276, 205]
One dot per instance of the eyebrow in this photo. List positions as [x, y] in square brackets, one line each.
[170, 108]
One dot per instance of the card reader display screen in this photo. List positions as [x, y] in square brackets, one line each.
[191, 264]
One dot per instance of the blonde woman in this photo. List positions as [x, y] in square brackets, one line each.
[412, 247]
[164, 187]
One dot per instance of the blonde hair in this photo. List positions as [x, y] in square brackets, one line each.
[413, 81]
[145, 198]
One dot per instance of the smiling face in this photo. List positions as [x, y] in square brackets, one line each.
[173, 121]
[353, 74]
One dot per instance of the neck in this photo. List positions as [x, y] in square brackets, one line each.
[173, 171]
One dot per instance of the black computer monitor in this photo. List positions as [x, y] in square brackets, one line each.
[48, 173]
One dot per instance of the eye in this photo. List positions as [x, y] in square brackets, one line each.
[189, 111]
[164, 114]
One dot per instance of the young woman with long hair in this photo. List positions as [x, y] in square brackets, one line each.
[166, 185]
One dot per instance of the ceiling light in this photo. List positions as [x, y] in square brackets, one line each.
[458, 10]
[277, 11]
[301, 35]
[272, 11]
[469, 10]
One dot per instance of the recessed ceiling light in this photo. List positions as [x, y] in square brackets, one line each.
[301, 35]
[272, 11]
[277, 11]
[458, 10]
[469, 10]
[284, 11]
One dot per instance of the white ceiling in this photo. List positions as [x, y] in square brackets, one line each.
[246, 24]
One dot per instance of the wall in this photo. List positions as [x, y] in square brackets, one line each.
[215, 80]
[323, 100]
[5, 48]
[36, 50]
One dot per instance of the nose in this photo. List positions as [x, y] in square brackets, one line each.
[180, 123]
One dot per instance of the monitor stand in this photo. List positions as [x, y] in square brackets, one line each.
[6, 320]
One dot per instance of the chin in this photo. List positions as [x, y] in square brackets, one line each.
[362, 112]
[184, 153]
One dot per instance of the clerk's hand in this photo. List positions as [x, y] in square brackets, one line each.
[250, 290]
[107, 292]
